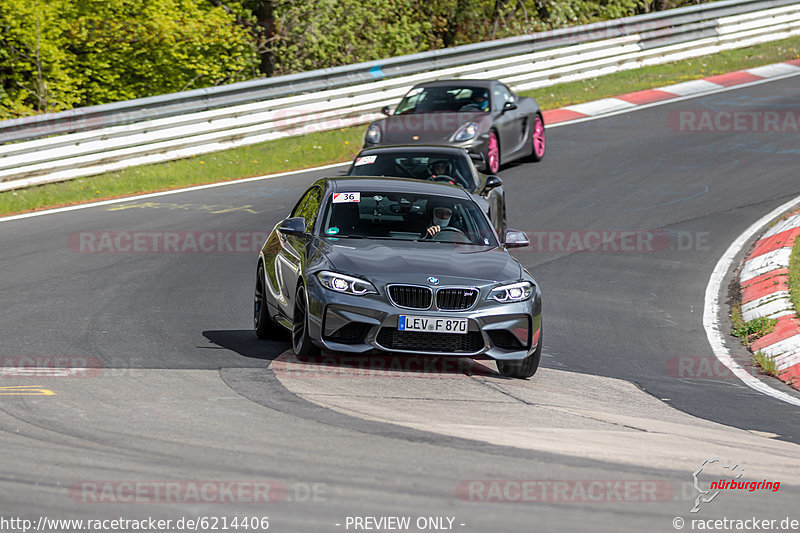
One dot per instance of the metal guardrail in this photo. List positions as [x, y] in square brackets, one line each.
[96, 139]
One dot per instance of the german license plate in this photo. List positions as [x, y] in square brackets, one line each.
[432, 324]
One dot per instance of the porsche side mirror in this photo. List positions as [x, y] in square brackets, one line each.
[477, 157]
[516, 239]
[386, 111]
[492, 182]
[295, 226]
[509, 106]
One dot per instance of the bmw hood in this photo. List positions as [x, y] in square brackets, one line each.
[427, 128]
[412, 262]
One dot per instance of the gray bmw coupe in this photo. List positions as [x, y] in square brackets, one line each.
[377, 265]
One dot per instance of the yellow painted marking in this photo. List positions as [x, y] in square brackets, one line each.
[25, 390]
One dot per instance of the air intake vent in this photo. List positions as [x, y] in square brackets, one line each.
[410, 296]
[454, 299]
[427, 342]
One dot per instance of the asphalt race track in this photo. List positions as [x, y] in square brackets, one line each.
[178, 388]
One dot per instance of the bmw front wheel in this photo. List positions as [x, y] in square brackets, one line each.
[301, 342]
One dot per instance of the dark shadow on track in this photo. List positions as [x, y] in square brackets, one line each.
[245, 343]
[331, 364]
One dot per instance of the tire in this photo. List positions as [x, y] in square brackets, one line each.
[525, 368]
[538, 144]
[493, 154]
[301, 342]
[263, 325]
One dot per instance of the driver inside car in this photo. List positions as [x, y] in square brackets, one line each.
[440, 170]
[442, 216]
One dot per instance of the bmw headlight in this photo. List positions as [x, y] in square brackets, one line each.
[373, 135]
[466, 132]
[346, 284]
[515, 292]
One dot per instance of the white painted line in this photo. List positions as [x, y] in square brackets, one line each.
[711, 306]
[765, 263]
[599, 107]
[164, 193]
[783, 225]
[691, 87]
[771, 71]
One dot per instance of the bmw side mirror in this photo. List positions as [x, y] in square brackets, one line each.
[295, 226]
[509, 106]
[516, 239]
[492, 182]
[386, 111]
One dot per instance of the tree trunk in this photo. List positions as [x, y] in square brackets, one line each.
[265, 13]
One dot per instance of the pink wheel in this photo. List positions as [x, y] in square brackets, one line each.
[493, 163]
[538, 139]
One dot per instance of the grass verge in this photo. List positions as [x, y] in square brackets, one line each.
[766, 363]
[341, 145]
[751, 330]
[794, 275]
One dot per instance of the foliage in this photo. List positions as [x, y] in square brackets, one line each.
[324, 33]
[59, 54]
[794, 276]
[766, 363]
[754, 329]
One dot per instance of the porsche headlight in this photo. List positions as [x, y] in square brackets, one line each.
[373, 135]
[515, 292]
[346, 284]
[466, 132]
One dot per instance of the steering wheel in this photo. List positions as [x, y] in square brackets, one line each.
[443, 177]
[447, 229]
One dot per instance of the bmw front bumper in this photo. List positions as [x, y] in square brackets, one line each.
[362, 324]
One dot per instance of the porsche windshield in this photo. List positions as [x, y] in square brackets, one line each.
[444, 99]
[456, 169]
[406, 217]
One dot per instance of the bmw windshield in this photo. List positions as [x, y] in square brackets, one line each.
[406, 217]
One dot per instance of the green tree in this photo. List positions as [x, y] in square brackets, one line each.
[65, 53]
[324, 33]
[34, 61]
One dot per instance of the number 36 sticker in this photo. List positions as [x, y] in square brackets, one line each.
[344, 197]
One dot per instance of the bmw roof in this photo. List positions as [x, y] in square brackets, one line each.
[458, 82]
[401, 185]
[421, 148]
